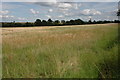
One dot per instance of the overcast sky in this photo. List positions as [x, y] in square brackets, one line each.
[30, 11]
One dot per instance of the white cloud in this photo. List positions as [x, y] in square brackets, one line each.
[19, 18]
[63, 10]
[64, 5]
[90, 12]
[89, 17]
[66, 14]
[34, 12]
[59, 5]
[0, 16]
[61, 16]
[46, 4]
[4, 12]
[7, 6]
[48, 16]
[76, 6]
[50, 10]
[66, 8]
[11, 18]
[7, 16]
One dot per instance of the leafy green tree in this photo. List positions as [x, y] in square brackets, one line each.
[118, 13]
[63, 21]
[38, 22]
[56, 22]
[90, 21]
[29, 24]
[71, 22]
[44, 23]
[50, 22]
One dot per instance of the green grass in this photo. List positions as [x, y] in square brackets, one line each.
[62, 52]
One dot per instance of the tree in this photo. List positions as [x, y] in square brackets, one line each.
[94, 22]
[90, 21]
[67, 23]
[63, 22]
[118, 13]
[44, 23]
[49, 22]
[78, 21]
[56, 22]
[29, 24]
[72, 22]
[38, 22]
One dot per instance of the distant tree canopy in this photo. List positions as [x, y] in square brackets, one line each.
[118, 13]
[11, 24]
[38, 22]
[50, 22]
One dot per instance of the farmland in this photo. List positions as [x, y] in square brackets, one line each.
[79, 51]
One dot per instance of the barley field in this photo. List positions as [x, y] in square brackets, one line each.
[81, 51]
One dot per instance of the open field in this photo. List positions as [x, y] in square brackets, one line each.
[82, 51]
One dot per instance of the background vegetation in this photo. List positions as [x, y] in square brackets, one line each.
[50, 22]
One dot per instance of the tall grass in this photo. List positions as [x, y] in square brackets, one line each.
[69, 52]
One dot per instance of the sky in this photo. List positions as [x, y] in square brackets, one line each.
[30, 11]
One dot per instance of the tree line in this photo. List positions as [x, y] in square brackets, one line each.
[50, 22]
